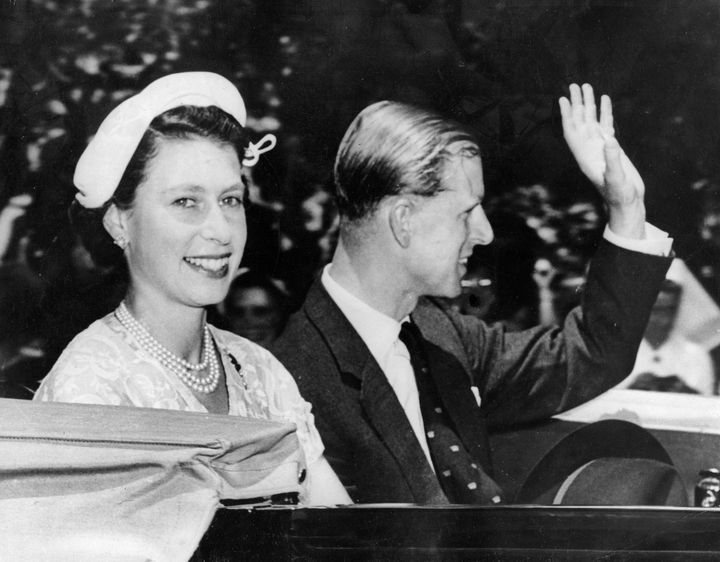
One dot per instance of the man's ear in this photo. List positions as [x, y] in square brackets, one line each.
[114, 223]
[400, 220]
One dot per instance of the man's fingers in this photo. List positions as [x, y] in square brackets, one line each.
[565, 112]
[575, 94]
[606, 116]
[589, 104]
[614, 174]
[576, 103]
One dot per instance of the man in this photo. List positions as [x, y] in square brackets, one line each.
[404, 412]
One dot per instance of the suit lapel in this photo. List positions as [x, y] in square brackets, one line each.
[378, 400]
[388, 418]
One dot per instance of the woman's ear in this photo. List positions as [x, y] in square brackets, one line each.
[114, 223]
[400, 215]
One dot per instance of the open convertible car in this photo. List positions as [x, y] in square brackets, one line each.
[81, 482]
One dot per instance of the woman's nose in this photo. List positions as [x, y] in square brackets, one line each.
[216, 226]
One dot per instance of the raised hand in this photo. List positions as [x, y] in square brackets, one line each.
[602, 160]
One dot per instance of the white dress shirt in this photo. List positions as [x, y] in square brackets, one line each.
[380, 334]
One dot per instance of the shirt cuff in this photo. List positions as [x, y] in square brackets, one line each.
[656, 241]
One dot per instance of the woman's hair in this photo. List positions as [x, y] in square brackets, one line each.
[184, 122]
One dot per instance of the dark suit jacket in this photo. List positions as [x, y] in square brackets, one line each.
[520, 377]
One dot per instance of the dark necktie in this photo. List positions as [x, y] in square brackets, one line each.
[460, 475]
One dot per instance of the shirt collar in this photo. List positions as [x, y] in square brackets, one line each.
[377, 330]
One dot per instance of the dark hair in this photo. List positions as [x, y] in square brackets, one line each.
[392, 148]
[184, 122]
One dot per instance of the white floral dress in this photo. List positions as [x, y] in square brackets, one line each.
[104, 364]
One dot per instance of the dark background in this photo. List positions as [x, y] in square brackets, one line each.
[306, 67]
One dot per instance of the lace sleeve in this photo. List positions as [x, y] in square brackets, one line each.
[87, 372]
[100, 367]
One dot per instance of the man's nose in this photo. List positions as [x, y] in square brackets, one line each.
[480, 230]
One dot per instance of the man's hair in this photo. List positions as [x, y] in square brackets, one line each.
[392, 148]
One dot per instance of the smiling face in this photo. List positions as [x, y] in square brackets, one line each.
[186, 229]
[446, 227]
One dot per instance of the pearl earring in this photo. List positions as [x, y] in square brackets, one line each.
[120, 242]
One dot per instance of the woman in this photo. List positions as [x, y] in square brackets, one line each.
[162, 180]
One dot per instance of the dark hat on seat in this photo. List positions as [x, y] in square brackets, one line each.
[610, 462]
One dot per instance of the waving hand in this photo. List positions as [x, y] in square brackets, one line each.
[600, 157]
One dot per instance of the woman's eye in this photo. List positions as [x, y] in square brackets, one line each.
[233, 201]
[185, 202]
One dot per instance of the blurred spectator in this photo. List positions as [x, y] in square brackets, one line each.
[309, 226]
[667, 359]
[255, 308]
[488, 295]
[562, 291]
[653, 382]
[16, 208]
[704, 259]
[548, 249]
[544, 273]
[499, 286]
[478, 295]
[22, 362]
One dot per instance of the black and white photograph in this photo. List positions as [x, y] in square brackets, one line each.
[371, 280]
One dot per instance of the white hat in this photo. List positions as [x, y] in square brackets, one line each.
[105, 159]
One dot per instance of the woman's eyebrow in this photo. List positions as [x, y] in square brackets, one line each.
[195, 188]
[239, 185]
[183, 187]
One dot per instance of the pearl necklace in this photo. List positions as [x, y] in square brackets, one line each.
[187, 372]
